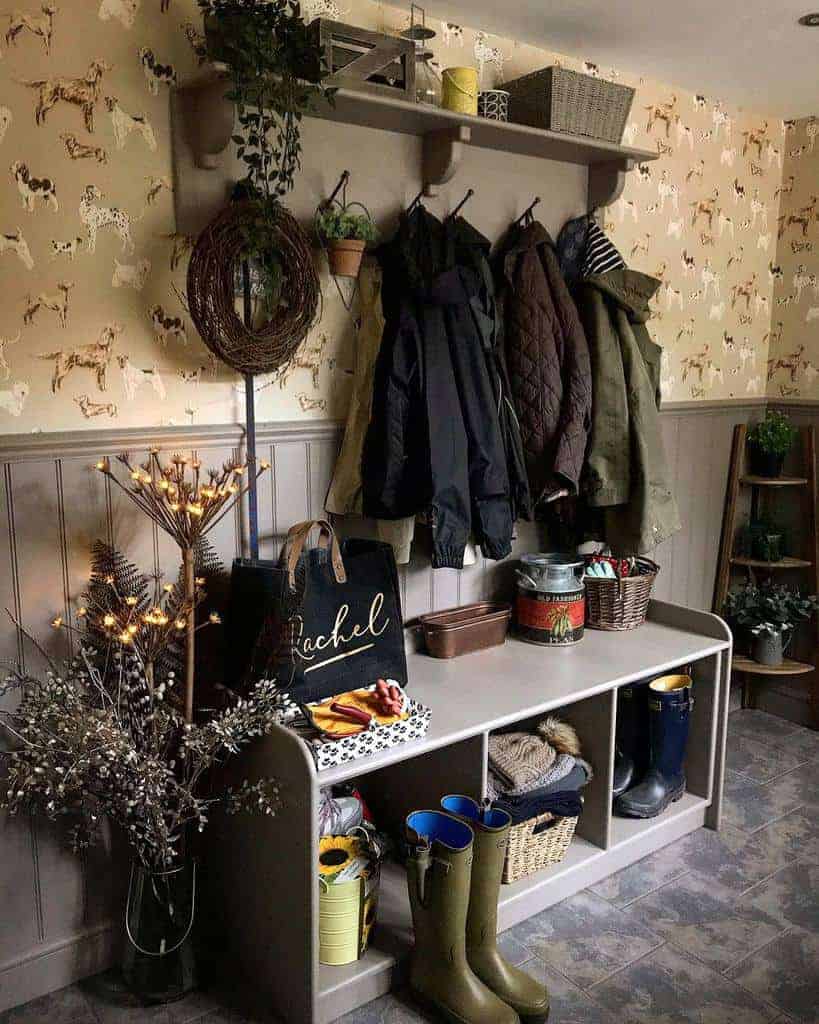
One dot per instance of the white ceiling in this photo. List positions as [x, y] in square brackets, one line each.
[751, 53]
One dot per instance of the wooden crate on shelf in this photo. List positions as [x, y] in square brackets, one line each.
[366, 61]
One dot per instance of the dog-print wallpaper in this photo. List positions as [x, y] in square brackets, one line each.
[94, 329]
[793, 359]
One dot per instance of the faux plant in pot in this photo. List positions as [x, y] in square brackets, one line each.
[769, 614]
[769, 441]
[344, 234]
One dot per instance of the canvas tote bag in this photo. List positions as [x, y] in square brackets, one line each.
[333, 622]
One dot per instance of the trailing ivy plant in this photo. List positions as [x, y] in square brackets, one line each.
[276, 67]
[771, 603]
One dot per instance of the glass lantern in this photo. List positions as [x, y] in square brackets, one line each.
[427, 80]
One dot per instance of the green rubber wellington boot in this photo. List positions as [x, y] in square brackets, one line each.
[515, 987]
[439, 869]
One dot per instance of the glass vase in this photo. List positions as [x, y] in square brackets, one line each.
[158, 962]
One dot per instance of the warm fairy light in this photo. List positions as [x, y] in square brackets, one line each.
[200, 581]
[125, 637]
[135, 474]
[101, 465]
[109, 580]
[57, 622]
[215, 618]
[174, 507]
[164, 485]
[156, 617]
[180, 623]
[131, 600]
[264, 464]
[133, 629]
[109, 621]
[168, 587]
[194, 509]
[82, 612]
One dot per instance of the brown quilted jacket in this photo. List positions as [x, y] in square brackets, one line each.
[548, 359]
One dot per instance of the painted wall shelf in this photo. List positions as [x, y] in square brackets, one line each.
[208, 124]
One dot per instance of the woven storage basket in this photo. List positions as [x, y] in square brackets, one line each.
[536, 844]
[566, 101]
[620, 604]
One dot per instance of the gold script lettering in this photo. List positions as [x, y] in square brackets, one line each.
[308, 648]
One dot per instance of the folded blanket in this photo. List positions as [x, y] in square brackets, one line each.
[563, 804]
[522, 759]
[579, 775]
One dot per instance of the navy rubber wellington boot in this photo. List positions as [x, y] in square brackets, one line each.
[631, 757]
[669, 711]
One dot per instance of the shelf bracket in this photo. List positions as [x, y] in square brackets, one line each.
[442, 156]
[208, 120]
[607, 181]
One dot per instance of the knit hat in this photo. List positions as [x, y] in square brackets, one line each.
[520, 758]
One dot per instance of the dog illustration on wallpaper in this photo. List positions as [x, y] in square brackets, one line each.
[663, 148]
[696, 364]
[802, 279]
[811, 373]
[166, 327]
[759, 209]
[811, 131]
[746, 290]
[15, 243]
[675, 229]
[798, 247]
[485, 54]
[91, 409]
[738, 190]
[773, 338]
[800, 219]
[706, 208]
[754, 385]
[56, 303]
[728, 156]
[308, 357]
[756, 138]
[736, 255]
[82, 151]
[812, 314]
[630, 133]
[763, 242]
[5, 369]
[156, 74]
[625, 206]
[125, 11]
[786, 188]
[673, 296]
[721, 120]
[687, 330]
[13, 399]
[747, 354]
[797, 152]
[666, 189]
[452, 34]
[125, 123]
[95, 217]
[683, 132]
[39, 25]
[790, 363]
[643, 174]
[728, 343]
[717, 311]
[196, 41]
[688, 263]
[95, 356]
[661, 112]
[133, 378]
[696, 173]
[79, 92]
[31, 188]
[181, 245]
[709, 279]
[724, 223]
[707, 239]
[308, 404]
[641, 246]
[157, 184]
[69, 248]
[775, 272]
[134, 275]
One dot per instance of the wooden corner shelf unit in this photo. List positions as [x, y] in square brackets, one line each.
[761, 487]
[268, 866]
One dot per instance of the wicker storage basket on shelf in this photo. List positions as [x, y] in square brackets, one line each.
[536, 844]
[566, 101]
[620, 604]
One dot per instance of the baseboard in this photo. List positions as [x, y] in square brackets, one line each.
[53, 967]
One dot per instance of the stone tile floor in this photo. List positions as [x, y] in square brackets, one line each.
[717, 928]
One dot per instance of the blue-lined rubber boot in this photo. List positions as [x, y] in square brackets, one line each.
[527, 997]
[439, 871]
[669, 713]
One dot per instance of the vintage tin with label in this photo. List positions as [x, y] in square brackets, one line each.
[551, 601]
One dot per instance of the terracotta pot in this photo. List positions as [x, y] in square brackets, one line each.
[345, 255]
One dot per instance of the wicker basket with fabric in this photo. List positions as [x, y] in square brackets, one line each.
[535, 844]
[620, 604]
[566, 101]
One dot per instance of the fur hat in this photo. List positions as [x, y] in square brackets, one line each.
[559, 735]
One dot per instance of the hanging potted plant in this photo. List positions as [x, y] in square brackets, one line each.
[344, 235]
[769, 615]
[769, 441]
[275, 67]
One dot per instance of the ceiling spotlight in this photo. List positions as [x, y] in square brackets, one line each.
[810, 20]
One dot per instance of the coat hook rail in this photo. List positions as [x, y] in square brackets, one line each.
[342, 184]
[415, 201]
[527, 212]
[469, 193]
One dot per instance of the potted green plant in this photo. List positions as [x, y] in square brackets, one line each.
[763, 538]
[344, 235]
[769, 614]
[275, 67]
[769, 441]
